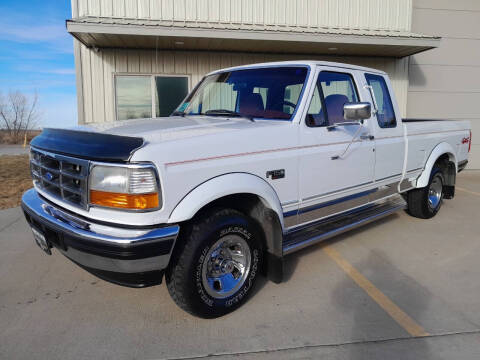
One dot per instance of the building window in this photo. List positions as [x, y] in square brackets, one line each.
[134, 97]
[169, 93]
[145, 96]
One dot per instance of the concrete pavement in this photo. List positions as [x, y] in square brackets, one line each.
[51, 309]
[13, 149]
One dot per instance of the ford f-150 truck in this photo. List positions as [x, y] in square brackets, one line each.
[257, 162]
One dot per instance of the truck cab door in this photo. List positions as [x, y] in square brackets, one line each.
[388, 131]
[337, 162]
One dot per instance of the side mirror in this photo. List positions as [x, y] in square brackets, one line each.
[357, 111]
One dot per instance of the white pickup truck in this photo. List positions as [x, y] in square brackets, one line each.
[257, 162]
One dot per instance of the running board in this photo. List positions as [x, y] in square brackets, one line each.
[321, 230]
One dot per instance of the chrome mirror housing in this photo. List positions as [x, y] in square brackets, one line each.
[357, 111]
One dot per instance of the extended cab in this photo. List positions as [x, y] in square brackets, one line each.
[257, 162]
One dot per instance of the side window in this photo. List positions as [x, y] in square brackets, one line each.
[385, 112]
[337, 89]
[315, 114]
[332, 91]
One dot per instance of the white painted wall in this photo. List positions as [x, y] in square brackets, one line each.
[98, 70]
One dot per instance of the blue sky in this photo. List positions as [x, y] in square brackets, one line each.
[36, 54]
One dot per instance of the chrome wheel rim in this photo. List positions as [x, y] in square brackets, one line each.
[435, 192]
[226, 266]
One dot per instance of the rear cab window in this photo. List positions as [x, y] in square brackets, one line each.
[385, 112]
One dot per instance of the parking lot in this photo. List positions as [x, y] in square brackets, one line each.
[400, 288]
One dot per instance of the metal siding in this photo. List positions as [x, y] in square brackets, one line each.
[145, 62]
[157, 63]
[280, 15]
[98, 92]
[350, 14]
[118, 8]
[168, 62]
[224, 10]
[79, 80]
[108, 71]
[444, 81]
[121, 60]
[107, 8]
[179, 10]
[156, 10]
[74, 4]
[133, 61]
[93, 6]
[144, 9]
[98, 69]
[467, 5]
[167, 9]
[87, 84]
[180, 66]
[82, 7]
[131, 8]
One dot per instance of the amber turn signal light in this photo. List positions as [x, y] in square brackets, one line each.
[124, 201]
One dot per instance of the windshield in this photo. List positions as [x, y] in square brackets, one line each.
[266, 93]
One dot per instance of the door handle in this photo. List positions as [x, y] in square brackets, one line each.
[367, 137]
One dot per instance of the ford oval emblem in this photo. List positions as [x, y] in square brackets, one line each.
[49, 176]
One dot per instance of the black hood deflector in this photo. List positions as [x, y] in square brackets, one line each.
[87, 145]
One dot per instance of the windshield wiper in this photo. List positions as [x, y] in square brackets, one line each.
[178, 113]
[224, 112]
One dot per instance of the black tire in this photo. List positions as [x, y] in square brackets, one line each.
[185, 276]
[418, 199]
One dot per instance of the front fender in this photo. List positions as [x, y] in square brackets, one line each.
[439, 150]
[224, 185]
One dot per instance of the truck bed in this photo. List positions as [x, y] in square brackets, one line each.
[409, 120]
[424, 135]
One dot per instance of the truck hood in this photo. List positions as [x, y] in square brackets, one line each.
[173, 128]
[125, 140]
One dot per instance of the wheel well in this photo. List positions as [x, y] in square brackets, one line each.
[265, 218]
[447, 165]
[268, 225]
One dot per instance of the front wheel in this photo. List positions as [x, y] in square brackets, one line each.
[215, 265]
[424, 203]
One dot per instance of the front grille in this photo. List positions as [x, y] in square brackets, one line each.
[61, 176]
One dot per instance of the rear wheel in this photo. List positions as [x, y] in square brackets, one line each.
[215, 265]
[425, 202]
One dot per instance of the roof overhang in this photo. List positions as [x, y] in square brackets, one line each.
[151, 34]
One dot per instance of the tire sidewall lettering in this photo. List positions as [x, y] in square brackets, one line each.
[244, 290]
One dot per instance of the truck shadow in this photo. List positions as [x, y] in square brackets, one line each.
[291, 261]
[370, 322]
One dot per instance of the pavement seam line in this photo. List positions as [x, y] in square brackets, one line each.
[11, 223]
[467, 191]
[397, 314]
[332, 345]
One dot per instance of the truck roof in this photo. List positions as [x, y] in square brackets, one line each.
[310, 63]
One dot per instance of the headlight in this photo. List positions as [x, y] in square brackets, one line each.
[124, 187]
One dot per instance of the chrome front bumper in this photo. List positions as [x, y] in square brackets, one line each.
[125, 255]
